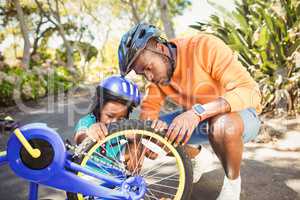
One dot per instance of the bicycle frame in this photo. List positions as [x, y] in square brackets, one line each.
[61, 173]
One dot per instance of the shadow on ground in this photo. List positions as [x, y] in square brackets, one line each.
[260, 180]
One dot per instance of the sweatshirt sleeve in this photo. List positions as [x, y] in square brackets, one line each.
[152, 102]
[241, 91]
[85, 122]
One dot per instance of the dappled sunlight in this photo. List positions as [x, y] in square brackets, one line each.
[294, 184]
[269, 154]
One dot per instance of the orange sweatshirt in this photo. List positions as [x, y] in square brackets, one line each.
[206, 69]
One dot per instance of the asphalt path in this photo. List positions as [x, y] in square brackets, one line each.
[267, 173]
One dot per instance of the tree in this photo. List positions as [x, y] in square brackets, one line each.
[25, 34]
[157, 12]
[39, 34]
[53, 15]
[166, 19]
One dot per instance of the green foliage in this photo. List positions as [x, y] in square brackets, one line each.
[84, 29]
[32, 86]
[178, 6]
[35, 83]
[61, 80]
[266, 36]
[82, 50]
[6, 93]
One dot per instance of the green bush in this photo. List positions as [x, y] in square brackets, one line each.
[33, 87]
[61, 80]
[266, 36]
[34, 83]
[6, 93]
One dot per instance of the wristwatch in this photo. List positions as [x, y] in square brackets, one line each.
[198, 109]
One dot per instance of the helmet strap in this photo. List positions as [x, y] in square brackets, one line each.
[171, 47]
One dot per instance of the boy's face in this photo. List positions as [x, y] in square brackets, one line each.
[153, 66]
[113, 111]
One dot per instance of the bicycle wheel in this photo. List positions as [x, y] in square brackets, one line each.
[133, 149]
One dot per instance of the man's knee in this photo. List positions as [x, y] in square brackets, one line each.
[226, 127]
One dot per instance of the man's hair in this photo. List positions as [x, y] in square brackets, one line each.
[152, 43]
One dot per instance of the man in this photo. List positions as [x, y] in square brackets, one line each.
[201, 74]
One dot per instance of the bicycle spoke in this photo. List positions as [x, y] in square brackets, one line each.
[123, 166]
[108, 158]
[106, 172]
[102, 168]
[142, 155]
[127, 143]
[156, 174]
[134, 142]
[147, 172]
[170, 179]
[159, 191]
[115, 156]
[166, 178]
[152, 194]
[161, 185]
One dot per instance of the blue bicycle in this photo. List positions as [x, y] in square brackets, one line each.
[133, 162]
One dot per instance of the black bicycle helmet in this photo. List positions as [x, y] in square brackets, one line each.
[133, 42]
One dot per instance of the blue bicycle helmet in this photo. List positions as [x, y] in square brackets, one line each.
[133, 42]
[115, 88]
[121, 88]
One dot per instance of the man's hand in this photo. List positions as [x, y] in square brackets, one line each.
[97, 131]
[182, 127]
[159, 125]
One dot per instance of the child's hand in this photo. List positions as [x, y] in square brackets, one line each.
[97, 131]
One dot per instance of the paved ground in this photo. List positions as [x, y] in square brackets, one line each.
[268, 172]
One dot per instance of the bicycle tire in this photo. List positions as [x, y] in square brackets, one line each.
[135, 125]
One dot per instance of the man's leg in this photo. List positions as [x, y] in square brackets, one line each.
[228, 133]
[226, 139]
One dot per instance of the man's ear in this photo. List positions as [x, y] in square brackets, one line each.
[160, 47]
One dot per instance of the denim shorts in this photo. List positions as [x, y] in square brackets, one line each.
[200, 134]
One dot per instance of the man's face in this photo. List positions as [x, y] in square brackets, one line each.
[154, 67]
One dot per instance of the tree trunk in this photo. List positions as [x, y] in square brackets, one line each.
[24, 30]
[166, 19]
[39, 35]
[135, 16]
[69, 48]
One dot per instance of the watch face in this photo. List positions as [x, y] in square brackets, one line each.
[199, 109]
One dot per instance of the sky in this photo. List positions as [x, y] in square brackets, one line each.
[199, 11]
